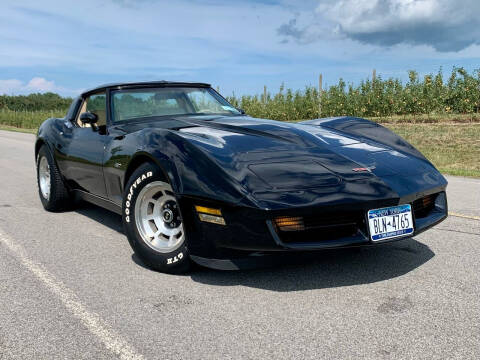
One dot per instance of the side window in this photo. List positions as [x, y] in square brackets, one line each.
[97, 104]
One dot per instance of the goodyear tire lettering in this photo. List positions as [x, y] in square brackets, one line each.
[130, 193]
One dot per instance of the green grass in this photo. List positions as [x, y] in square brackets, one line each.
[28, 119]
[454, 148]
[428, 118]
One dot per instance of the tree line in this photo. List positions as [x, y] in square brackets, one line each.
[34, 102]
[432, 94]
[459, 93]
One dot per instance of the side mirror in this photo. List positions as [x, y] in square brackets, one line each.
[241, 111]
[88, 118]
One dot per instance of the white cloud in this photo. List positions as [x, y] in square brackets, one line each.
[35, 85]
[41, 85]
[445, 25]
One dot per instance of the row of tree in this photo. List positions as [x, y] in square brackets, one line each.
[34, 102]
[432, 94]
[459, 93]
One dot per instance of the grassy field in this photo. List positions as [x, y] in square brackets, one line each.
[27, 119]
[454, 148]
[428, 119]
[451, 142]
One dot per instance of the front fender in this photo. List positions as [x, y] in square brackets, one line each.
[189, 170]
[49, 134]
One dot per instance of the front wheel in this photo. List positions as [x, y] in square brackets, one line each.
[153, 221]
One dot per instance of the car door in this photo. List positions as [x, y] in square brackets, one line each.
[84, 152]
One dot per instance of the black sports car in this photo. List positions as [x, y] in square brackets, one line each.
[196, 179]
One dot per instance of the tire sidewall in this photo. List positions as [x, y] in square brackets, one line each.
[43, 152]
[174, 261]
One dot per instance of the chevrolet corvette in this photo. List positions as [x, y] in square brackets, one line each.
[196, 179]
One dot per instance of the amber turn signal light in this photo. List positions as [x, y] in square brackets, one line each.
[210, 215]
[288, 223]
[207, 210]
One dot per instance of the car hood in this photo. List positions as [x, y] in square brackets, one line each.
[254, 143]
[266, 155]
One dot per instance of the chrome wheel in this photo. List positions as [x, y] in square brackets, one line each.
[44, 177]
[158, 219]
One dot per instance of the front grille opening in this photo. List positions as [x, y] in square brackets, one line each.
[320, 227]
[423, 207]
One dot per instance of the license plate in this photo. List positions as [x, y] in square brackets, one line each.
[391, 222]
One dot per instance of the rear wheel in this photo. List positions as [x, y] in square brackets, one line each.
[51, 189]
[153, 221]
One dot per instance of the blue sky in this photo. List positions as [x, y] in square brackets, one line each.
[239, 46]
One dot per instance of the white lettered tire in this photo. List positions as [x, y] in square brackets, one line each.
[153, 222]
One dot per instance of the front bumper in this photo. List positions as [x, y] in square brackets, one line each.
[251, 232]
[339, 230]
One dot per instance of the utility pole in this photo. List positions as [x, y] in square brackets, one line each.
[265, 94]
[374, 75]
[320, 91]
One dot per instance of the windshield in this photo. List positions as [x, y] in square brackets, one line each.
[168, 101]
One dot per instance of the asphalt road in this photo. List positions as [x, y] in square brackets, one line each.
[71, 288]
